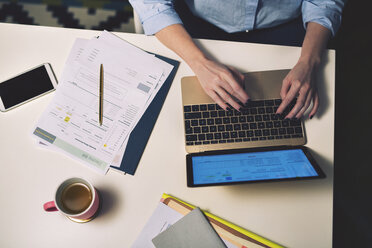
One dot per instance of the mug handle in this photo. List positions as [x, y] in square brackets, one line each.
[50, 206]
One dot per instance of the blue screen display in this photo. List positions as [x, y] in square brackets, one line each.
[252, 166]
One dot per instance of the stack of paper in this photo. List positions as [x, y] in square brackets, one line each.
[132, 77]
[171, 210]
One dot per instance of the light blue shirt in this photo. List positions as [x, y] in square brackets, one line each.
[241, 15]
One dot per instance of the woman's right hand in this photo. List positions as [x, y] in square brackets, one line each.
[221, 83]
[218, 81]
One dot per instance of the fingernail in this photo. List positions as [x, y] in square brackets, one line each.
[311, 116]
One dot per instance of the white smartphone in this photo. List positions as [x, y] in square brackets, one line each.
[27, 86]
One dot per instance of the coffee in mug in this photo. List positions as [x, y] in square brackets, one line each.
[76, 198]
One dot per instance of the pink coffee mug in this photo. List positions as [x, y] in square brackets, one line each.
[75, 198]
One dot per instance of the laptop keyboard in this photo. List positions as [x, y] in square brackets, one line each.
[210, 124]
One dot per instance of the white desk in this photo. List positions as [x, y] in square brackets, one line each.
[295, 214]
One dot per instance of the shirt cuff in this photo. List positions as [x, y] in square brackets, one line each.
[323, 16]
[160, 20]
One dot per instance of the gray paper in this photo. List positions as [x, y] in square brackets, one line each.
[192, 231]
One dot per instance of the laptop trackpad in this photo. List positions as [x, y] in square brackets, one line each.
[264, 84]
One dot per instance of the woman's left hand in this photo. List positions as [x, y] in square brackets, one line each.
[299, 83]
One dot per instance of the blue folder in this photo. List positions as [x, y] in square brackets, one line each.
[141, 133]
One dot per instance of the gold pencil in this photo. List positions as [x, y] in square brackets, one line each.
[101, 95]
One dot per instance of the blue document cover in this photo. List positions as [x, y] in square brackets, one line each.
[141, 133]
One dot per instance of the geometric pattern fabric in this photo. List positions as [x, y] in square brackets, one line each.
[83, 14]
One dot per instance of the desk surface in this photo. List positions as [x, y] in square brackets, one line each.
[295, 214]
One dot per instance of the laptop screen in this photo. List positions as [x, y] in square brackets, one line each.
[251, 166]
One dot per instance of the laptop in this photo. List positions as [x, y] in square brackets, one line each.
[208, 127]
[210, 131]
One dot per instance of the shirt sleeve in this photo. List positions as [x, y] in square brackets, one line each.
[155, 14]
[324, 12]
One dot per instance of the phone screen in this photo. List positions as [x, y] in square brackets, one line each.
[252, 167]
[25, 86]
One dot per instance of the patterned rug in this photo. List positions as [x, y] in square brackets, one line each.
[114, 15]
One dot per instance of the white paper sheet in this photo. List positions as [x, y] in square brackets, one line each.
[115, 41]
[162, 218]
[70, 122]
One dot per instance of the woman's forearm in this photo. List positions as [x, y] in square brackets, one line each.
[176, 38]
[220, 82]
[315, 42]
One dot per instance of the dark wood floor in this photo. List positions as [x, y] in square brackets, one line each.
[353, 121]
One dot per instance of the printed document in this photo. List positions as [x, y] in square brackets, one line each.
[70, 122]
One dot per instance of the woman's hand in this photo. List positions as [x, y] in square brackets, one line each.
[221, 83]
[300, 80]
[299, 83]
